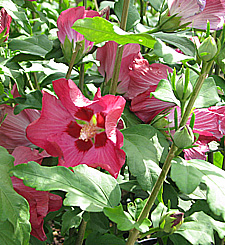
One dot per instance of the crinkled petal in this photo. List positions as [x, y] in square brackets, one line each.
[143, 75]
[208, 121]
[24, 154]
[185, 8]
[147, 108]
[196, 152]
[198, 12]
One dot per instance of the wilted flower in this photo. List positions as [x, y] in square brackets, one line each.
[171, 221]
[40, 202]
[107, 55]
[146, 107]
[144, 79]
[198, 12]
[80, 130]
[5, 21]
[143, 76]
[66, 21]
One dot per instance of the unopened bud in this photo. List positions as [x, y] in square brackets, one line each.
[183, 137]
[207, 49]
[171, 221]
[180, 93]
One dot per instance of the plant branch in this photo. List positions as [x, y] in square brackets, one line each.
[81, 78]
[119, 52]
[172, 153]
[73, 58]
[81, 232]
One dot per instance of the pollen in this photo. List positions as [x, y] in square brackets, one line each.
[88, 132]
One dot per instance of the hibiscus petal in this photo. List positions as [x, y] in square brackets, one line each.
[143, 75]
[74, 101]
[147, 108]
[13, 129]
[40, 202]
[113, 111]
[53, 121]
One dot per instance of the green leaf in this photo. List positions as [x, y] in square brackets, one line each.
[156, 4]
[189, 174]
[36, 45]
[221, 59]
[124, 220]
[130, 118]
[87, 188]
[19, 16]
[208, 95]
[70, 219]
[32, 100]
[144, 146]
[100, 30]
[133, 15]
[180, 41]
[185, 176]
[98, 222]
[14, 209]
[107, 239]
[219, 82]
[200, 229]
[164, 92]
[168, 54]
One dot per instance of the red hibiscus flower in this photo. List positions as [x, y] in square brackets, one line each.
[199, 12]
[107, 55]
[40, 202]
[79, 130]
[66, 21]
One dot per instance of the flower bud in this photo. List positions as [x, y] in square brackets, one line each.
[180, 93]
[183, 137]
[171, 221]
[207, 49]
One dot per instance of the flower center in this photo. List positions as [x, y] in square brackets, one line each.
[88, 131]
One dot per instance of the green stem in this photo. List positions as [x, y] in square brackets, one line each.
[119, 52]
[81, 232]
[133, 235]
[205, 69]
[73, 58]
[81, 78]
[151, 199]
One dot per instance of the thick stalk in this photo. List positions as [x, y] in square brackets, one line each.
[151, 199]
[119, 52]
[81, 232]
[73, 58]
[172, 153]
